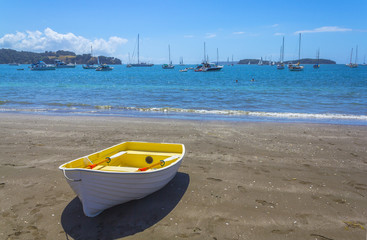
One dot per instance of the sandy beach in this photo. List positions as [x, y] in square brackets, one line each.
[243, 180]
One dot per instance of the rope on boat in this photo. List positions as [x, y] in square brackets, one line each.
[73, 180]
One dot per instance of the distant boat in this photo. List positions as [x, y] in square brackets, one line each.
[364, 61]
[104, 67]
[181, 62]
[14, 64]
[297, 67]
[206, 66]
[260, 63]
[140, 64]
[280, 66]
[42, 66]
[169, 65]
[350, 64]
[317, 65]
[220, 66]
[90, 66]
[61, 64]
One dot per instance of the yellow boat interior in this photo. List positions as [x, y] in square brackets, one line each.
[130, 157]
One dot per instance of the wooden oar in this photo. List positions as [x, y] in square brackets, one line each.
[161, 162]
[107, 159]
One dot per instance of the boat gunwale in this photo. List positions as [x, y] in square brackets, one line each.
[115, 172]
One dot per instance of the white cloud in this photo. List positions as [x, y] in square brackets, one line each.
[210, 35]
[49, 40]
[279, 34]
[275, 25]
[238, 33]
[325, 29]
[188, 36]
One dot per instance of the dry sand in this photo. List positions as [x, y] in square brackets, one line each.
[237, 180]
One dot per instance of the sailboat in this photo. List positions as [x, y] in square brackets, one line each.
[90, 66]
[169, 65]
[317, 65]
[297, 67]
[140, 64]
[217, 65]
[280, 66]
[364, 61]
[353, 65]
[260, 63]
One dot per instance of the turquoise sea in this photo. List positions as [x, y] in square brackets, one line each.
[332, 94]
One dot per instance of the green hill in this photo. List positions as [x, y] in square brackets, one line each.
[23, 57]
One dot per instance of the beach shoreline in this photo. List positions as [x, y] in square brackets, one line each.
[238, 180]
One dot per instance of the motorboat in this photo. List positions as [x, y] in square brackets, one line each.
[61, 64]
[104, 67]
[42, 66]
[90, 66]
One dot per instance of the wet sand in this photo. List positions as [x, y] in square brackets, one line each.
[237, 180]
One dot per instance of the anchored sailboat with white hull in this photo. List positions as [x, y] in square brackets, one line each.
[280, 66]
[169, 65]
[140, 64]
[297, 67]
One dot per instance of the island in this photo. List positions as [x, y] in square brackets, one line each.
[302, 61]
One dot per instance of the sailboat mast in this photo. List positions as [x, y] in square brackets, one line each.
[299, 49]
[283, 50]
[138, 49]
[169, 54]
[356, 54]
[217, 56]
[204, 54]
[351, 55]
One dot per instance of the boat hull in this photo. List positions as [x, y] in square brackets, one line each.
[141, 65]
[43, 68]
[65, 66]
[99, 190]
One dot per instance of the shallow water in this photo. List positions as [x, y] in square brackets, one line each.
[331, 94]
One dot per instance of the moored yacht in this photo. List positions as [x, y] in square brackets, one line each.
[297, 67]
[61, 64]
[41, 66]
[104, 67]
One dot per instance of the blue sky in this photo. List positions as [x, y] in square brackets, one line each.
[244, 29]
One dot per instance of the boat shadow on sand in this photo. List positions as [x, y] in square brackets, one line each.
[125, 219]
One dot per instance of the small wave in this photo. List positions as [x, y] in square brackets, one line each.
[105, 107]
[68, 104]
[3, 102]
[100, 109]
[255, 114]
